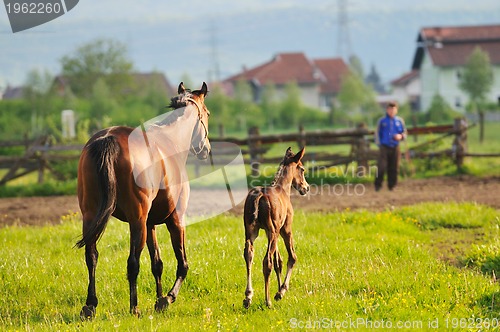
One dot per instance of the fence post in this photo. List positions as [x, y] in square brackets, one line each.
[221, 130]
[254, 146]
[42, 159]
[362, 147]
[459, 146]
[302, 137]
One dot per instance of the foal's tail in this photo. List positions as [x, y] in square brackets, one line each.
[252, 205]
[104, 152]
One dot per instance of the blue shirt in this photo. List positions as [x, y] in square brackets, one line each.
[387, 127]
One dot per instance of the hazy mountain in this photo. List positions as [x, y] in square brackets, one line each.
[184, 42]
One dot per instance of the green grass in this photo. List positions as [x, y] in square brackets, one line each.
[351, 265]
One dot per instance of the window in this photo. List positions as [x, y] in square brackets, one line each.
[458, 102]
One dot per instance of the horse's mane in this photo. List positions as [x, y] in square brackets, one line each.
[279, 174]
[180, 100]
[285, 162]
[176, 102]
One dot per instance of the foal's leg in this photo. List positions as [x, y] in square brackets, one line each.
[286, 234]
[278, 265]
[137, 243]
[91, 255]
[251, 233]
[156, 262]
[267, 263]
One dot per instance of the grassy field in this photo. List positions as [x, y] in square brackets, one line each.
[422, 266]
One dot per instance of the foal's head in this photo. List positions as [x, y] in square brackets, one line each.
[292, 166]
[200, 145]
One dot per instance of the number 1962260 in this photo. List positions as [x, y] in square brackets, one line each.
[33, 8]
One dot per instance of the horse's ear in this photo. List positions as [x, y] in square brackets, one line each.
[299, 155]
[289, 153]
[204, 89]
[181, 89]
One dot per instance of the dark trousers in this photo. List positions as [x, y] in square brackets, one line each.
[388, 162]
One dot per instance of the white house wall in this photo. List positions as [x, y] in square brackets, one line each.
[445, 82]
[430, 83]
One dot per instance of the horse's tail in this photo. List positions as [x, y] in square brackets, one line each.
[104, 152]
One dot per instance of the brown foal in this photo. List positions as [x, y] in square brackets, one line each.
[270, 208]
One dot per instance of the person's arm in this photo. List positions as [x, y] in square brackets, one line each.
[404, 134]
[377, 133]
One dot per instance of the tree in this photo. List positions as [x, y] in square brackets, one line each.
[37, 94]
[439, 111]
[246, 112]
[104, 59]
[102, 105]
[292, 108]
[477, 79]
[373, 79]
[269, 105]
[357, 99]
[356, 66]
[218, 104]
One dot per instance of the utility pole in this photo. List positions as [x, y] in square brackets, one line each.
[214, 54]
[344, 49]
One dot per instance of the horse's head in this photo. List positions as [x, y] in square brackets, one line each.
[200, 145]
[293, 163]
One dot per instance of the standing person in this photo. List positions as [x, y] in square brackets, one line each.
[390, 131]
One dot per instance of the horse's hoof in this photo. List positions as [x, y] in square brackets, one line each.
[269, 304]
[162, 303]
[247, 302]
[135, 312]
[88, 312]
[278, 296]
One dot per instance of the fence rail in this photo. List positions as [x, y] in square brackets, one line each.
[39, 154]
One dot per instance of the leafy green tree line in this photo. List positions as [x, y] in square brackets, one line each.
[98, 74]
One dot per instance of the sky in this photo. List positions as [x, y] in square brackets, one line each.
[187, 38]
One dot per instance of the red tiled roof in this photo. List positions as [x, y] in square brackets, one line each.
[283, 68]
[452, 46]
[464, 33]
[287, 67]
[458, 54]
[334, 70]
[405, 78]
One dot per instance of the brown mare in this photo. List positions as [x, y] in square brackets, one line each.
[270, 208]
[141, 179]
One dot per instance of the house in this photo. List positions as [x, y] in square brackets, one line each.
[441, 55]
[139, 85]
[406, 89]
[319, 80]
[13, 92]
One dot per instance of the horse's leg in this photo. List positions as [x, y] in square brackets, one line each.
[156, 263]
[278, 265]
[91, 255]
[267, 263]
[251, 233]
[176, 227]
[137, 243]
[286, 234]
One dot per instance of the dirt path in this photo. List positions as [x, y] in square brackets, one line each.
[44, 210]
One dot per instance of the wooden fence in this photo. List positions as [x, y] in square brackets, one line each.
[39, 154]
